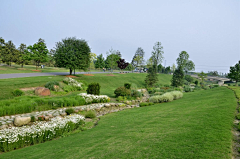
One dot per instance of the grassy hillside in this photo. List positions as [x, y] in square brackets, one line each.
[108, 83]
[196, 126]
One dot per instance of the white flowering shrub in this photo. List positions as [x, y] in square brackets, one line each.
[177, 94]
[73, 82]
[17, 137]
[166, 97]
[90, 98]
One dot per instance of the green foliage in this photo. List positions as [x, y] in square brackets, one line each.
[69, 88]
[187, 89]
[196, 82]
[122, 91]
[177, 79]
[112, 57]
[33, 119]
[143, 104]
[38, 52]
[151, 78]
[138, 58]
[84, 84]
[157, 54]
[166, 97]
[127, 85]
[50, 85]
[72, 53]
[234, 72]
[184, 63]
[135, 93]
[69, 111]
[90, 114]
[202, 76]
[189, 78]
[100, 62]
[94, 88]
[17, 92]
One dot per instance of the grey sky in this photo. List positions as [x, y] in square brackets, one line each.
[209, 30]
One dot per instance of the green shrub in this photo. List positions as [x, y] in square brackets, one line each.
[127, 85]
[17, 92]
[157, 89]
[187, 89]
[215, 85]
[50, 85]
[158, 93]
[134, 86]
[93, 88]
[166, 85]
[143, 104]
[189, 78]
[196, 82]
[177, 89]
[122, 91]
[155, 99]
[176, 94]
[84, 84]
[33, 119]
[69, 88]
[151, 90]
[135, 93]
[119, 98]
[90, 114]
[69, 111]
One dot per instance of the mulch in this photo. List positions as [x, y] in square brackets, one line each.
[70, 76]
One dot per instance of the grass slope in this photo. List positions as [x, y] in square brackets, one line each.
[108, 83]
[196, 126]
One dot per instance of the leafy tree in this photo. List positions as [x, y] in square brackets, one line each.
[138, 58]
[2, 47]
[177, 79]
[112, 58]
[157, 54]
[184, 62]
[100, 62]
[202, 76]
[129, 67]
[122, 64]
[24, 55]
[50, 57]
[38, 52]
[167, 70]
[72, 53]
[151, 78]
[149, 62]
[234, 72]
[93, 57]
[9, 53]
[161, 68]
[189, 78]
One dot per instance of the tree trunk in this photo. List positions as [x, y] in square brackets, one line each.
[22, 65]
[74, 71]
[70, 71]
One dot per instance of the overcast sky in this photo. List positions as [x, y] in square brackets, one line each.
[209, 30]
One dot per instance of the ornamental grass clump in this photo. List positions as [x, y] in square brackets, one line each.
[89, 98]
[17, 92]
[18, 137]
[166, 97]
[50, 85]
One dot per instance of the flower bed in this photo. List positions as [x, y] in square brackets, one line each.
[72, 82]
[17, 137]
[89, 98]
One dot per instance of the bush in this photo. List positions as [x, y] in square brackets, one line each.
[166, 97]
[50, 85]
[17, 92]
[84, 84]
[69, 111]
[93, 88]
[122, 91]
[69, 88]
[135, 93]
[143, 104]
[33, 119]
[189, 78]
[127, 85]
[176, 94]
[187, 89]
[90, 114]
[196, 82]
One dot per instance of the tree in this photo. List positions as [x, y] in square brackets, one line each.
[151, 78]
[177, 79]
[173, 68]
[202, 76]
[38, 52]
[100, 62]
[149, 62]
[184, 62]
[24, 55]
[93, 57]
[72, 53]
[2, 47]
[50, 57]
[138, 58]
[122, 64]
[234, 72]
[157, 54]
[112, 58]
[167, 70]
[9, 53]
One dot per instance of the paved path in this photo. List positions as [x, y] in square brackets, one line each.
[18, 75]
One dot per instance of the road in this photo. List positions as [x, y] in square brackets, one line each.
[18, 75]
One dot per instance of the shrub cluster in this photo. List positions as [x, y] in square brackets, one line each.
[187, 89]
[89, 98]
[143, 104]
[17, 92]
[50, 85]
[90, 114]
[74, 83]
[166, 97]
[94, 88]
[69, 111]
[122, 91]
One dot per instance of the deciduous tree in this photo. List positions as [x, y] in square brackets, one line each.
[138, 58]
[23, 55]
[72, 53]
[234, 72]
[157, 54]
[122, 64]
[38, 52]
[178, 76]
[100, 62]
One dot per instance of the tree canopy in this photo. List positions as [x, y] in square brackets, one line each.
[72, 53]
[100, 62]
[122, 64]
[234, 72]
[184, 62]
[38, 52]
[112, 58]
[178, 76]
[24, 55]
[138, 58]
[157, 54]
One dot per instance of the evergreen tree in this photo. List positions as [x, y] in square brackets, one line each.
[100, 62]
[9, 53]
[151, 78]
[178, 77]
[24, 55]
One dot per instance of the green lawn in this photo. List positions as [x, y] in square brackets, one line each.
[108, 83]
[197, 126]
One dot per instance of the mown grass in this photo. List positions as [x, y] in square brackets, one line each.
[236, 89]
[197, 126]
[29, 69]
[108, 83]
